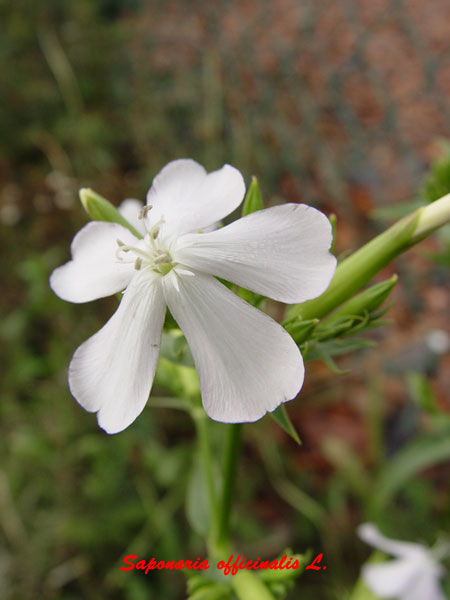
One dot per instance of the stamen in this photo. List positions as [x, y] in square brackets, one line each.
[150, 254]
[153, 233]
[162, 258]
[185, 272]
[175, 283]
[144, 211]
[126, 248]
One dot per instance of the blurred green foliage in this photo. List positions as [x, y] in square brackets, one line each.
[91, 100]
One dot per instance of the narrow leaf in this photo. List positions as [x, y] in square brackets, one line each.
[426, 451]
[300, 330]
[281, 416]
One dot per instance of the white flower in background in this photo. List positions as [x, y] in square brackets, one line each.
[413, 575]
[247, 363]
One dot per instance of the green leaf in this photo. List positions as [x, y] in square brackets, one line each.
[281, 416]
[253, 199]
[437, 182]
[100, 209]
[367, 301]
[426, 451]
[300, 500]
[349, 463]
[422, 393]
[395, 211]
[336, 347]
[333, 366]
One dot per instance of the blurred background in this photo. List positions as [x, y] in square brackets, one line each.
[336, 104]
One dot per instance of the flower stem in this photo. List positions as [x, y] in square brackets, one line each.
[357, 270]
[246, 585]
[231, 456]
[201, 423]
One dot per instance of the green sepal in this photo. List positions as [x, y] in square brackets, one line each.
[367, 301]
[100, 209]
[281, 416]
[253, 199]
[300, 330]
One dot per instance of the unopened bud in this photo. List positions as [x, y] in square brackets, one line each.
[100, 209]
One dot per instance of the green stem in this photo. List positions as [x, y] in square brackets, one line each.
[231, 456]
[357, 270]
[246, 585]
[201, 423]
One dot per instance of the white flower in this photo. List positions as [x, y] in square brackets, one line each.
[247, 363]
[414, 575]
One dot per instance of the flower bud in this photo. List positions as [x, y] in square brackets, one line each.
[253, 199]
[100, 209]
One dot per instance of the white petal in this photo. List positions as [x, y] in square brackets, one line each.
[247, 363]
[130, 209]
[94, 271]
[189, 199]
[280, 252]
[391, 579]
[112, 372]
[426, 587]
[370, 534]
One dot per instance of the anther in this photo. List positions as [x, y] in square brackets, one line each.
[162, 258]
[144, 211]
[138, 263]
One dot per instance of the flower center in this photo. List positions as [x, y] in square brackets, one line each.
[148, 253]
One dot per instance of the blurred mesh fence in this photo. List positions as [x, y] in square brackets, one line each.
[333, 99]
[328, 102]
